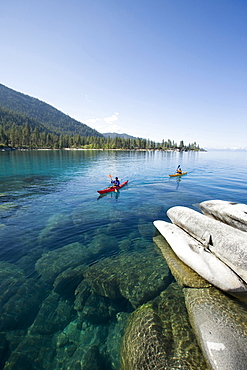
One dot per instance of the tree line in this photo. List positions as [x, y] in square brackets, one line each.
[32, 137]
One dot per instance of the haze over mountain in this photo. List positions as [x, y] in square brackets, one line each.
[21, 108]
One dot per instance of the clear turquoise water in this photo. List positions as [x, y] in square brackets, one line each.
[49, 199]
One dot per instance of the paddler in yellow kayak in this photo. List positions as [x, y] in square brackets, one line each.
[179, 170]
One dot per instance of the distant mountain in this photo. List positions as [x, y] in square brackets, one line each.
[37, 112]
[112, 135]
[233, 149]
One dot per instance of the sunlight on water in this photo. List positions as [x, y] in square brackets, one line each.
[75, 265]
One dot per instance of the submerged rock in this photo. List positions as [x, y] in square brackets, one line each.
[146, 229]
[82, 293]
[7, 209]
[92, 359]
[114, 338]
[150, 211]
[11, 278]
[20, 297]
[55, 225]
[66, 282]
[3, 228]
[135, 242]
[144, 345]
[158, 336]
[120, 215]
[4, 347]
[98, 310]
[54, 315]
[80, 346]
[220, 324]
[33, 353]
[138, 277]
[83, 216]
[53, 263]
[103, 245]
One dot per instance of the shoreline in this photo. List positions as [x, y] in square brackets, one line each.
[101, 149]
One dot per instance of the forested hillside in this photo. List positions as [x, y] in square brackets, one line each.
[8, 118]
[42, 113]
[29, 123]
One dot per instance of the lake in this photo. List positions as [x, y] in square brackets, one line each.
[75, 265]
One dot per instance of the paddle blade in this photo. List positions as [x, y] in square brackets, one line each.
[110, 176]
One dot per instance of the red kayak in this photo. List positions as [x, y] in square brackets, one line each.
[108, 190]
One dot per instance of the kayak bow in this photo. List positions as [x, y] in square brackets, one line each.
[108, 190]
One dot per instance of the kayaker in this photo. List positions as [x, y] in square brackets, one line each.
[115, 182]
[179, 170]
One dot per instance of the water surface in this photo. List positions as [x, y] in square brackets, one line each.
[54, 228]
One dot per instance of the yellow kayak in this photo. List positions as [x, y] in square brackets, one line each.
[178, 174]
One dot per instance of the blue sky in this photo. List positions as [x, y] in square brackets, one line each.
[159, 69]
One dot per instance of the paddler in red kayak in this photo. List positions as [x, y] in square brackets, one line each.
[115, 182]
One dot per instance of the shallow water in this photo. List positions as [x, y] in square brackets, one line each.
[49, 200]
